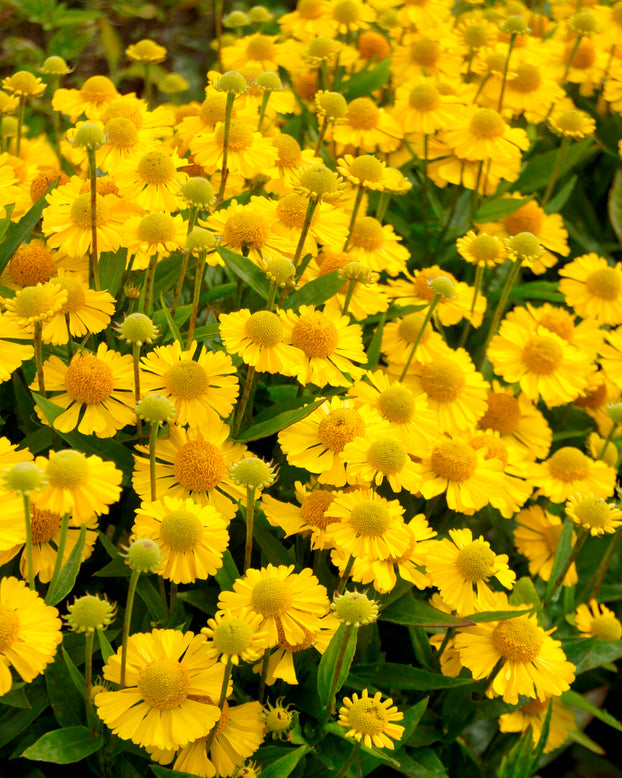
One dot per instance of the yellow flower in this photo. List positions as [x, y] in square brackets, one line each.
[235, 637]
[311, 517]
[249, 153]
[370, 720]
[593, 288]
[572, 123]
[596, 620]
[23, 84]
[482, 250]
[534, 714]
[12, 354]
[593, 513]
[377, 246]
[366, 126]
[34, 304]
[146, 50]
[479, 134]
[536, 536]
[91, 99]
[569, 471]
[154, 234]
[153, 180]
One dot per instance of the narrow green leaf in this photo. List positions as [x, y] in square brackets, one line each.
[274, 550]
[340, 732]
[149, 595]
[412, 717]
[173, 328]
[517, 763]
[556, 203]
[17, 232]
[246, 270]
[15, 697]
[373, 350]
[496, 208]
[266, 428]
[614, 204]
[111, 269]
[112, 550]
[485, 616]
[104, 645]
[390, 675]
[422, 763]
[315, 292]
[164, 772]
[540, 167]
[408, 610]
[64, 746]
[564, 549]
[227, 574]
[544, 736]
[368, 81]
[69, 572]
[583, 740]
[67, 703]
[327, 668]
[75, 675]
[538, 290]
[284, 766]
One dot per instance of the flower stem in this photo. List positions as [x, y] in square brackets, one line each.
[20, 123]
[198, 280]
[355, 210]
[264, 675]
[149, 283]
[94, 269]
[350, 760]
[349, 292]
[607, 441]
[89, 636]
[496, 318]
[225, 146]
[28, 520]
[573, 54]
[559, 160]
[60, 551]
[332, 692]
[262, 109]
[250, 521]
[129, 605]
[320, 136]
[148, 85]
[597, 579]
[428, 316]
[38, 344]
[246, 393]
[221, 701]
[136, 358]
[583, 533]
[305, 229]
[346, 574]
[153, 440]
[505, 72]
[271, 296]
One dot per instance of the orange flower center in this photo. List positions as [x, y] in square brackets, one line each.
[80, 211]
[316, 335]
[240, 135]
[542, 355]
[560, 322]
[199, 466]
[487, 123]
[367, 233]
[164, 684]
[292, 210]
[443, 380]
[310, 9]
[289, 151]
[45, 524]
[585, 55]
[494, 447]
[31, 264]
[89, 380]
[425, 53]
[260, 47]
[363, 114]
[454, 460]
[245, 229]
[569, 464]
[98, 89]
[528, 218]
[186, 380]
[526, 79]
[340, 427]
[503, 414]
[518, 640]
[9, 627]
[314, 507]
[606, 283]
[397, 404]
[123, 108]
[422, 286]
[371, 44]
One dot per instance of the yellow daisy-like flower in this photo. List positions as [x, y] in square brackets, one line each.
[193, 463]
[191, 537]
[310, 517]
[125, 142]
[166, 671]
[97, 391]
[377, 246]
[328, 227]
[571, 123]
[611, 359]
[263, 340]
[91, 99]
[78, 484]
[482, 250]
[249, 153]
[533, 716]
[461, 567]
[12, 354]
[23, 84]
[156, 234]
[30, 632]
[569, 471]
[367, 126]
[593, 288]
[586, 335]
[330, 343]
[479, 134]
[534, 664]
[365, 171]
[235, 637]
[370, 720]
[598, 621]
[310, 19]
[287, 601]
[536, 536]
[146, 50]
[593, 513]
[33, 304]
[153, 180]
[203, 386]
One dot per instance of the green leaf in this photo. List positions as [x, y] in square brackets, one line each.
[538, 171]
[367, 81]
[67, 703]
[498, 207]
[408, 610]
[583, 740]
[556, 203]
[16, 720]
[149, 595]
[524, 593]
[114, 569]
[15, 697]
[69, 572]
[104, 645]
[174, 329]
[340, 732]
[274, 550]
[327, 668]
[282, 767]
[17, 232]
[517, 763]
[373, 350]
[544, 736]
[538, 290]
[111, 549]
[562, 554]
[485, 616]
[412, 717]
[266, 428]
[246, 270]
[64, 746]
[422, 763]
[388, 675]
[315, 292]
[599, 653]
[164, 772]
[111, 269]
[614, 204]
[227, 574]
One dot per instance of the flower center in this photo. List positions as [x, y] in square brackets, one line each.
[387, 455]
[156, 167]
[423, 280]
[443, 380]
[164, 684]
[542, 355]
[593, 399]
[346, 12]
[214, 108]
[518, 640]
[424, 97]
[584, 56]
[271, 597]
[80, 211]
[502, 415]
[260, 47]
[89, 380]
[340, 427]
[35, 302]
[264, 328]
[494, 447]
[558, 321]
[316, 335]
[45, 524]
[410, 327]
[42, 181]
[314, 507]
[605, 283]
[475, 35]
[368, 716]
[121, 132]
[292, 210]
[232, 636]
[31, 264]
[181, 530]
[370, 518]
[9, 627]
[592, 511]
[240, 135]
[124, 108]
[290, 154]
[367, 234]
[310, 9]
[454, 460]
[484, 248]
[551, 535]
[98, 89]
[186, 380]
[156, 228]
[606, 627]
[526, 79]
[67, 469]
[569, 464]
[245, 229]
[363, 114]
[425, 53]
[476, 561]
[371, 44]
[487, 123]
[199, 466]
[367, 169]
[397, 404]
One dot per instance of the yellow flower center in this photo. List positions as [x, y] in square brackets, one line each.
[98, 89]
[290, 154]
[584, 56]
[186, 380]
[370, 518]
[443, 380]
[246, 229]
[368, 716]
[410, 327]
[475, 34]
[502, 415]
[560, 322]
[367, 234]
[454, 460]
[487, 123]
[45, 524]
[80, 211]
[592, 511]
[240, 135]
[485, 248]
[264, 328]
[214, 108]
[75, 293]
[494, 447]
[397, 404]
[571, 122]
[164, 684]
[535, 707]
[314, 507]
[518, 640]
[9, 627]
[371, 44]
[425, 53]
[123, 108]
[593, 399]
[346, 12]
[606, 627]
[181, 530]
[278, 719]
[320, 181]
[232, 636]
[260, 47]
[199, 466]
[67, 469]
[424, 97]
[551, 535]
[271, 597]
[526, 79]
[363, 114]
[121, 132]
[606, 283]
[316, 335]
[542, 355]
[310, 9]
[31, 264]
[41, 182]
[292, 210]
[155, 228]
[569, 464]
[35, 302]
[387, 455]
[476, 561]
[367, 169]
[89, 380]
[340, 427]
[156, 167]
[322, 48]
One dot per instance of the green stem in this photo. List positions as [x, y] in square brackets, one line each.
[221, 701]
[573, 54]
[136, 359]
[129, 605]
[264, 675]
[607, 441]
[583, 533]
[262, 109]
[505, 72]
[305, 229]
[250, 520]
[424, 191]
[153, 440]
[559, 161]
[225, 147]
[349, 292]
[355, 210]
[60, 552]
[149, 283]
[346, 574]
[496, 318]
[320, 136]
[196, 297]
[38, 344]
[428, 316]
[69, 340]
[383, 203]
[334, 684]
[271, 296]
[180, 281]
[89, 636]
[597, 579]
[94, 268]
[218, 11]
[448, 636]
[350, 760]
[246, 392]
[28, 520]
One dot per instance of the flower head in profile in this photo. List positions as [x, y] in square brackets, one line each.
[146, 50]
[533, 715]
[371, 720]
[596, 620]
